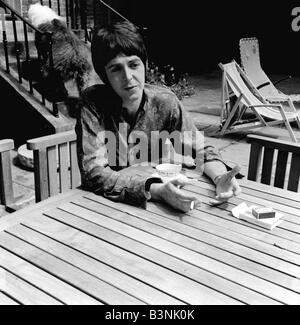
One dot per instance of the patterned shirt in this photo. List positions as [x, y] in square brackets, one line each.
[109, 141]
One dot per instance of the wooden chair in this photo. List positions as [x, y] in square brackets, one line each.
[274, 158]
[6, 187]
[55, 164]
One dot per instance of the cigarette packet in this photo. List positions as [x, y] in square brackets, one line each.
[263, 213]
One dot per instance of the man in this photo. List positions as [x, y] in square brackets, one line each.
[125, 102]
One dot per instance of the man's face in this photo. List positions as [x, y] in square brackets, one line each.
[126, 75]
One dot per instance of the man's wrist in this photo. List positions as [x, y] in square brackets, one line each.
[216, 179]
[214, 170]
[150, 189]
[155, 190]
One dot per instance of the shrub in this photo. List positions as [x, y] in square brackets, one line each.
[168, 77]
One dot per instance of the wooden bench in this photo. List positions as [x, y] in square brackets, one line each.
[6, 187]
[55, 164]
[266, 152]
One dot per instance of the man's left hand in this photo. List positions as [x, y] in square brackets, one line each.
[227, 186]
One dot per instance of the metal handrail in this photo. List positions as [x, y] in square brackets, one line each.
[141, 29]
[76, 16]
[116, 12]
[26, 24]
[7, 6]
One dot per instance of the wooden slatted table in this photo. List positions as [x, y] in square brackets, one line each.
[79, 248]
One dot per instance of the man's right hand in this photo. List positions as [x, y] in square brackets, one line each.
[171, 193]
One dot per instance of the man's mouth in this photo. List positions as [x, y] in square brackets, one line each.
[130, 87]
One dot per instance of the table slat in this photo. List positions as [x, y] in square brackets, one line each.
[136, 265]
[216, 219]
[292, 214]
[12, 219]
[90, 265]
[219, 231]
[290, 228]
[197, 274]
[43, 280]
[68, 273]
[213, 246]
[6, 301]
[24, 292]
[282, 236]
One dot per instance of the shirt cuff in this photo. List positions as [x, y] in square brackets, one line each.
[148, 183]
[212, 154]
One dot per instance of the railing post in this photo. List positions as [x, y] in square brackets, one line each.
[76, 9]
[27, 54]
[6, 51]
[67, 13]
[2, 14]
[51, 68]
[71, 8]
[58, 8]
[16, 46]
[83, 18]
[40, 62]
[95, 11]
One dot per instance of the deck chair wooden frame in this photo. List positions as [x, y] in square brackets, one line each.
[250, 62]
[239, 95]
[55, 164]
[271, 156]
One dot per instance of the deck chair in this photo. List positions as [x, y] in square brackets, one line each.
[238, 96]
[250, 62]
[274, 162]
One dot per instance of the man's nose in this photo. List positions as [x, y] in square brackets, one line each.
[127, 74]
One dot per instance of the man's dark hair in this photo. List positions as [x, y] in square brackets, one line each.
[111, 40]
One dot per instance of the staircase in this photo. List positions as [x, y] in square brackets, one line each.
[28, 109]
[19, 62]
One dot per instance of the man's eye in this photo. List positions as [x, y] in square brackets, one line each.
[115, 69]
[134, 65]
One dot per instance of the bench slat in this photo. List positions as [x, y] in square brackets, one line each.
[281, 168]
[52, 170]
[75, 173]
[63, 167]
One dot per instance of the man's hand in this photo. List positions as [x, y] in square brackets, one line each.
[226, 186]
[171, 193]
